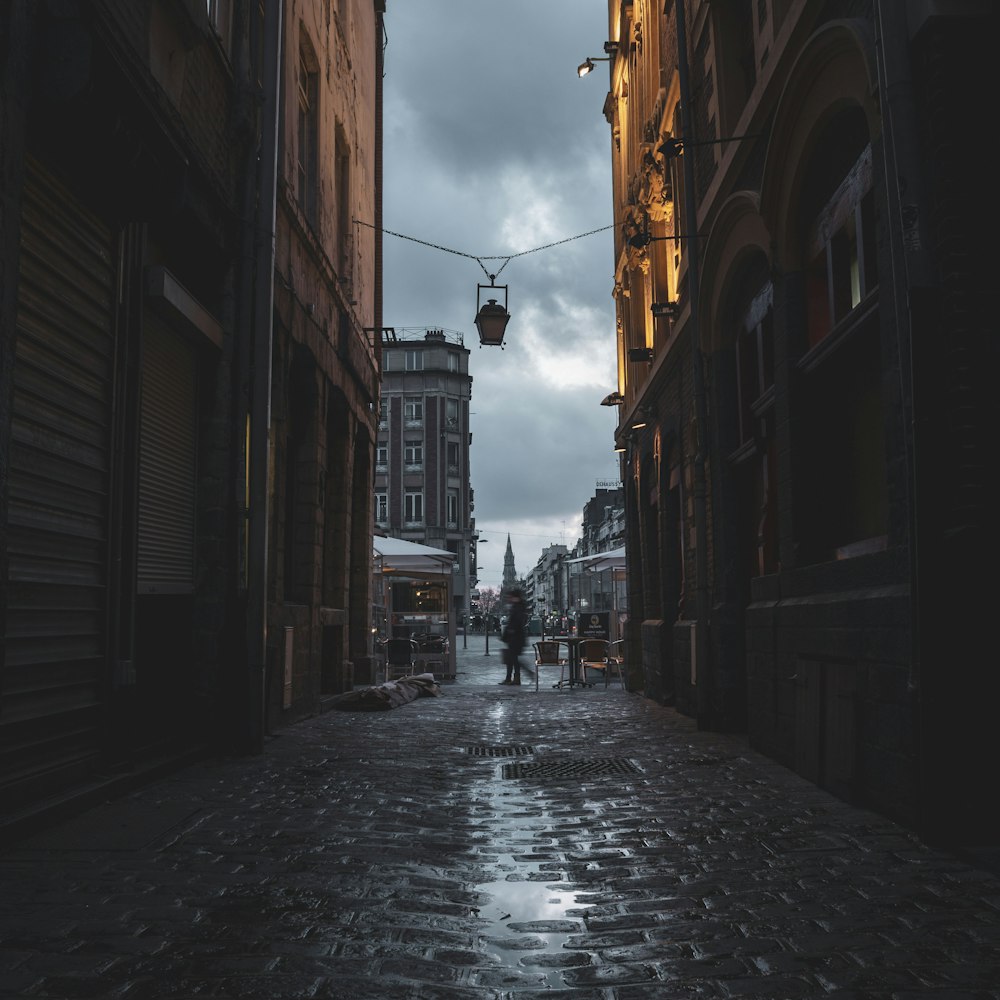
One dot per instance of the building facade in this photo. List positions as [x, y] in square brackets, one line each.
[804, 355]
[423, 489]
[166, 275]
[325, 354]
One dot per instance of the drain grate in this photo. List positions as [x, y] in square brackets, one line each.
[572, 768]
[508, 751]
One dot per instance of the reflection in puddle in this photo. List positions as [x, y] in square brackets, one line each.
[530, 915]
[531, 918]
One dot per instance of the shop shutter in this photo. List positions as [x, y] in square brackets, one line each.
[166, 463]
[59, 474]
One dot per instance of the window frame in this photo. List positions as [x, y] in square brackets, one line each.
[413, 507]
[307, 133]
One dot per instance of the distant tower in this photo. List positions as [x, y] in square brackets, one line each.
[509, 573]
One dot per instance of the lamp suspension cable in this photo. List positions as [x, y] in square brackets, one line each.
[479, 258]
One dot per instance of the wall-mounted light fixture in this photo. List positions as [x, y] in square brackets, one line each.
[587, 66]
[613, 399]
[674, 145]
[640, 420]
[640, 354]
[668, 309]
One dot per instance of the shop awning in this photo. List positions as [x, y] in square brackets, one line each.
[599, 561]
[412, 559]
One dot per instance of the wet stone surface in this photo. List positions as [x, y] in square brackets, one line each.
[372, 855]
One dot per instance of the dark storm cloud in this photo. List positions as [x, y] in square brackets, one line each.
[494, 146]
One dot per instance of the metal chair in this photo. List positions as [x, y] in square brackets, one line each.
[616, 661]
[432, 652]
[593, 654]
[549, 653]
[399, 656]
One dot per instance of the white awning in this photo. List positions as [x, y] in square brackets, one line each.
[402, 557]
[599, 561]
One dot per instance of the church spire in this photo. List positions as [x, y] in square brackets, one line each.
[509, 573]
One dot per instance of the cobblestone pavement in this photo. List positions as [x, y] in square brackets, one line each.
[493, 842]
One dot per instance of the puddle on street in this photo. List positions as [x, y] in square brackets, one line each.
[531, 914]
[530, 917]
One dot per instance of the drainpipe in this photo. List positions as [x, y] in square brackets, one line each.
[911, 280]
[700, 644]
[260, 374]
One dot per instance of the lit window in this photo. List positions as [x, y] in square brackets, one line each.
[842, 254]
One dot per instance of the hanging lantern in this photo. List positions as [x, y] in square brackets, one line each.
[491, 317]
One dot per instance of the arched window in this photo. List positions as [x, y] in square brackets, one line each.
[841, 498]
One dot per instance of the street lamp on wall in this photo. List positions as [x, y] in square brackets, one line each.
[587, 66]
[673, 145]
[640, 354]
[668, 309]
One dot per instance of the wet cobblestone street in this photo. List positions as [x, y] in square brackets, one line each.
[493, 842]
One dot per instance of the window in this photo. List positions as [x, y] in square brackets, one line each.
[755, 359]
[841, 462]
[342, 208]
[452, 508]
[414, 361]
[755, 453]
[382, 453]
[842, 253]
[413, 453]
[381, 508]
[451, 412]
[453, 457]
[454, 364]
[413, 508]
[220, 17]
[413, 408]
[307, 165]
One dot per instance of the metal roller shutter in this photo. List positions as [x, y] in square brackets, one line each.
[59, 474]
[166, 463]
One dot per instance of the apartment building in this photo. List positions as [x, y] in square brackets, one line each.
[423, 489]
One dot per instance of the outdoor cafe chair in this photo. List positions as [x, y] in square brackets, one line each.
[616, 661]
[549, 653]
[593, 654]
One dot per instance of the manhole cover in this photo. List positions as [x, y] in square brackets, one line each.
[514, 751]
[571, 768]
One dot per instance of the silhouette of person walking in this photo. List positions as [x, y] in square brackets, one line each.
[513, 636]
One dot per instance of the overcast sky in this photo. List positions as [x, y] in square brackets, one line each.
[494, 145]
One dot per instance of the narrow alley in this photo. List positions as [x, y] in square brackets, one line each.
[493, 842]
